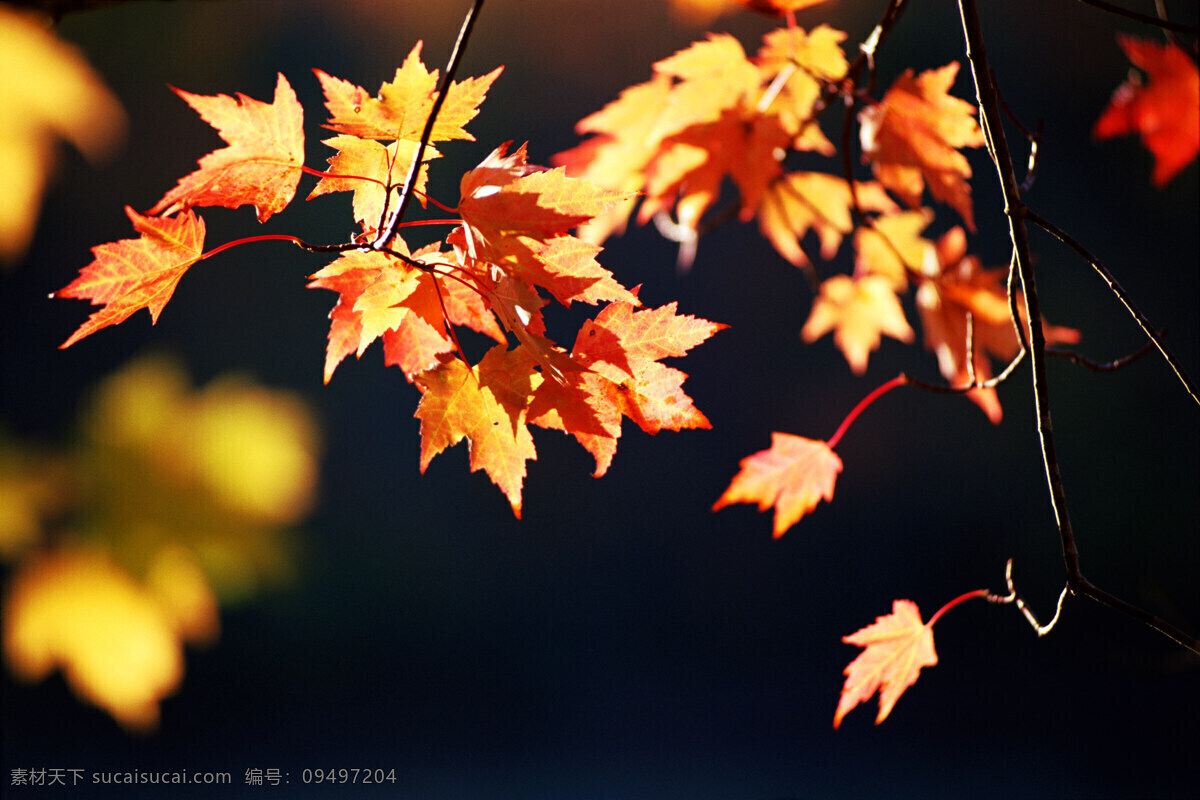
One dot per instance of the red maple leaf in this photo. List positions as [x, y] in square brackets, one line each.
[793, 476]
[262, 164]
[912, 138]
[897, 646]
[131, 274]
[1165, 111]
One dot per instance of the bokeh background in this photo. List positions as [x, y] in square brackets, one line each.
[621, 641]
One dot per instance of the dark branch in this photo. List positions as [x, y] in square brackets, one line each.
[1015, 210]
[388, 228]
[1165, 24]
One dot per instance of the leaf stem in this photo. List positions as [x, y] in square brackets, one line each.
[938, 614]
[899, 380]
[318, 173]
[266, 237]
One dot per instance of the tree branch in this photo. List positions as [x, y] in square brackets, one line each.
[1015, 210]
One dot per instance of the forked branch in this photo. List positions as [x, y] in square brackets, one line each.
[1015, 210]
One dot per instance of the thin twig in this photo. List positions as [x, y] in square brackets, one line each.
[1116, 289]
[1014, 597]
[1035, 140]
[1099, 366]
[388, 229]
[1158, 22]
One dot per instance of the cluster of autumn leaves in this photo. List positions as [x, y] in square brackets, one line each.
[522, 235]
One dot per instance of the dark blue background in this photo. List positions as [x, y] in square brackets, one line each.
[622, 641]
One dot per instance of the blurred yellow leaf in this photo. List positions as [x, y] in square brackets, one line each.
[114, 642]
[253, 449]
[47, 92]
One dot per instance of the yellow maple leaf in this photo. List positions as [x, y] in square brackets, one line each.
[47, 92]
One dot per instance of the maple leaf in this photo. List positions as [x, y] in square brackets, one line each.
[368, 168]
[1165, 111]
[892, 247]
[793, 475]
[506, 196]
[912, 138]
[859, 311]
[137, 273]
[402, 107]
[48, 91]
[619, 352]
[803, 201]
[381, 296]
[262, 164]
[115, 643]
[959, 286]
[709, 112]
[897, 646]
[485, 405]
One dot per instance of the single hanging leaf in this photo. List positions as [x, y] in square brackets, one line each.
[897, 646]
[912, 139]
[137, 273]
[859, 311]
[262, 164]
[793, 476]
[1165, 111]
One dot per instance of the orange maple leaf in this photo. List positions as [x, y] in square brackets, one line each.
[486, 405]
[1165, 111]
[793, 475]
[960, 285]
[262, 164]
[803, 201]
[137, 273]
[708, 113]
[402, 107]
[892, 247]
[506, 196]
[897, 646]
[619, 352]
[380, 296]
[859, 311]
[912, 138]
